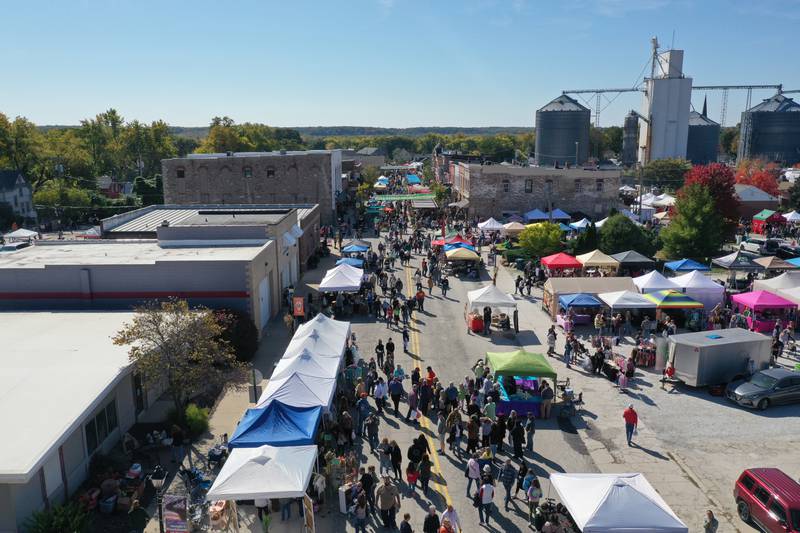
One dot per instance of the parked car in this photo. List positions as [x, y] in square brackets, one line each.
[766, 387]
[787, 251]
[768, 498]
[760, 245]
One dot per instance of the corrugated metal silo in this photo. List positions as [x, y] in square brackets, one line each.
[771, 131]
[559, 125]
[630, 134]
[703, 144]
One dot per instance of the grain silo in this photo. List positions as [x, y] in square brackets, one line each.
[702, 146]
[630, 136]
[771, 131]
[562, 133]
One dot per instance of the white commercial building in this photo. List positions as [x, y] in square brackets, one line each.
[66, 393]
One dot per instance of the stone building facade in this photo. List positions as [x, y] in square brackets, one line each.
[500, 190]
[307, 177]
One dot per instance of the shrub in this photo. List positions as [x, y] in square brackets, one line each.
[70, 518]
[239, 332]
[196, 419]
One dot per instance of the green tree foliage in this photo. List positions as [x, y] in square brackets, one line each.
[541, 239]
[224, 135]
[794, 195]
[441, 194]
[697, 229]
[666, 173]
[620, 234]
[60, 192]
[72, 518]
[180, 347]
[720, 182]
[149, 190]
[729, 141]
[586, 241]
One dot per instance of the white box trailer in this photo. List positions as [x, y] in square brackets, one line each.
[717, 356]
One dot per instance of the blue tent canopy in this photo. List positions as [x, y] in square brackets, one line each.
[352, 261]
[794, 260]
[412, 179]
[354, 248]
[564, 227]
[579, 299]
[277, 424]
[686, 265]
[536, 214]
[558, 214]
[448, 247]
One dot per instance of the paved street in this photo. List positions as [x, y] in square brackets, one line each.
[682, 436]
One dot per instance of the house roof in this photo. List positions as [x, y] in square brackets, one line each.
[8, 179]
[778, 102]
[370, 150]
[563, 103]
[698, 119]
[750, 193]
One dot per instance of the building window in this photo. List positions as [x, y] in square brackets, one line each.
[578, 186]
[528, 185]
[506, 185]
[101, 426]
[598, 185]
[270, 172]
[181, 172]
[247, 172]
[548, 185]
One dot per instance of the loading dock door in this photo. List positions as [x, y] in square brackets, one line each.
[263, 302]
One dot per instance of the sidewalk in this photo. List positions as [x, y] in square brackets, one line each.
[601, 427]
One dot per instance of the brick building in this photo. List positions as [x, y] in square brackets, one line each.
[499, 190]
[308, 177]
[444, 163]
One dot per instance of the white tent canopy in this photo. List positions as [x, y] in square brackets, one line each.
[307, 364]
[344, 278]
[790, 294]
[490, 225]
[490, 296]
[317, 342]
[324, 324]
[21, 233]
[626, 300]
[787, 280]
[599, 223]
[654, 282]
[792, 216]
[700, 287]
[299, 390]
[264, 472]
[663, 200]
[581, 224]
[601, 503]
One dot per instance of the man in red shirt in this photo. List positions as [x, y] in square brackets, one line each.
[631, 421]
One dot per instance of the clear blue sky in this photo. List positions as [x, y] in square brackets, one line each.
[393, 63]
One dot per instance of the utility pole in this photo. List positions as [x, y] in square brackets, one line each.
[577, 143]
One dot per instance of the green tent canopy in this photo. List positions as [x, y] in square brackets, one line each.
[764, 214]
[520, 363]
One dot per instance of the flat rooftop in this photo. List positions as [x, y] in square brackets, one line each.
[223, 155]
[55, 368]
[111, 252]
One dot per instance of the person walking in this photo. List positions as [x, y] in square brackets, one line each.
[413, 403]
[405, 525]
[450, 515]
[547, 399]
[396, 391]
[360, 514]
[397, 459]
[431, 523]
[508, 475]
[710, 524]
[425, 469]
[385, 456]
[631, 421]
[533, 494]
[551, 341]
[485, 498]
[390, 349]
[522, 473]
[518, 439]
[380, 351]
[388, 502]
[445, 283]
[441, 430]
[473, 473]
[380, 393]
[430, 285]
[406, 339]
[487, 320]
[530, 432]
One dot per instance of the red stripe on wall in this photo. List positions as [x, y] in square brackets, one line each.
[121, 294]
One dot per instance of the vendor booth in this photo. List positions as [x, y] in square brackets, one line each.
[299, 391]
[461, 254]
[308, 364]
[792, 217]
[355, 249]
[361, 243]
[787, 280]
[762, 309]
[581, 225]
[774, 264]
[536, 215]
[352, 261]
[766, 219]
[599, 261]
[561, 262]
[686, 265]
[625, 300]
[739, 261]
[520, 376]
[700, 287]
[490, 225]
[265, 472]
[632, 262]
[558, 214]
[513, 228]
[554, 288]
[576, 309]
[276, 425]
[342, 278]
[606, 503]
[717, 357]
[682, 308]
[653, 282]
[20, 234]
[492, 297]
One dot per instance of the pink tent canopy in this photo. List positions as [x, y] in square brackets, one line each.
[758, 300]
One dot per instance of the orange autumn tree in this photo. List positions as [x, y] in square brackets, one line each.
[759, 174]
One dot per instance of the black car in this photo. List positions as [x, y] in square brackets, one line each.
[787, 251]
[766, 387]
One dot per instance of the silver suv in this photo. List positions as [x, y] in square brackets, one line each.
[773, 386]
[760, 245]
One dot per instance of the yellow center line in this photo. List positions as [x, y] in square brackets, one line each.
[424, 420]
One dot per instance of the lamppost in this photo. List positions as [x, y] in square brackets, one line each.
[576, 152]
[157, 478]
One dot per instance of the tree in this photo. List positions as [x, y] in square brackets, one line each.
[759, 174]
[698, 228]
[719, 180]
[586, 241]
[180, 347]
[794, 195]
[541, 239]
[20, 144]
[729, 141]
[60, 192]
[441, 194]
[619, 234]
[666, 172]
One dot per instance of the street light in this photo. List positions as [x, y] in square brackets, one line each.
[576, 152]
[157, 478]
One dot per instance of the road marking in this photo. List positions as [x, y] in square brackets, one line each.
[424, 420]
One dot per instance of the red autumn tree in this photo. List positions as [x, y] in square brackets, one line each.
[719, 180]
[759, 174]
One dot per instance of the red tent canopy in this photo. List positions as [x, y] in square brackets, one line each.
[561, 260]
[438, 242]
[458, 239]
